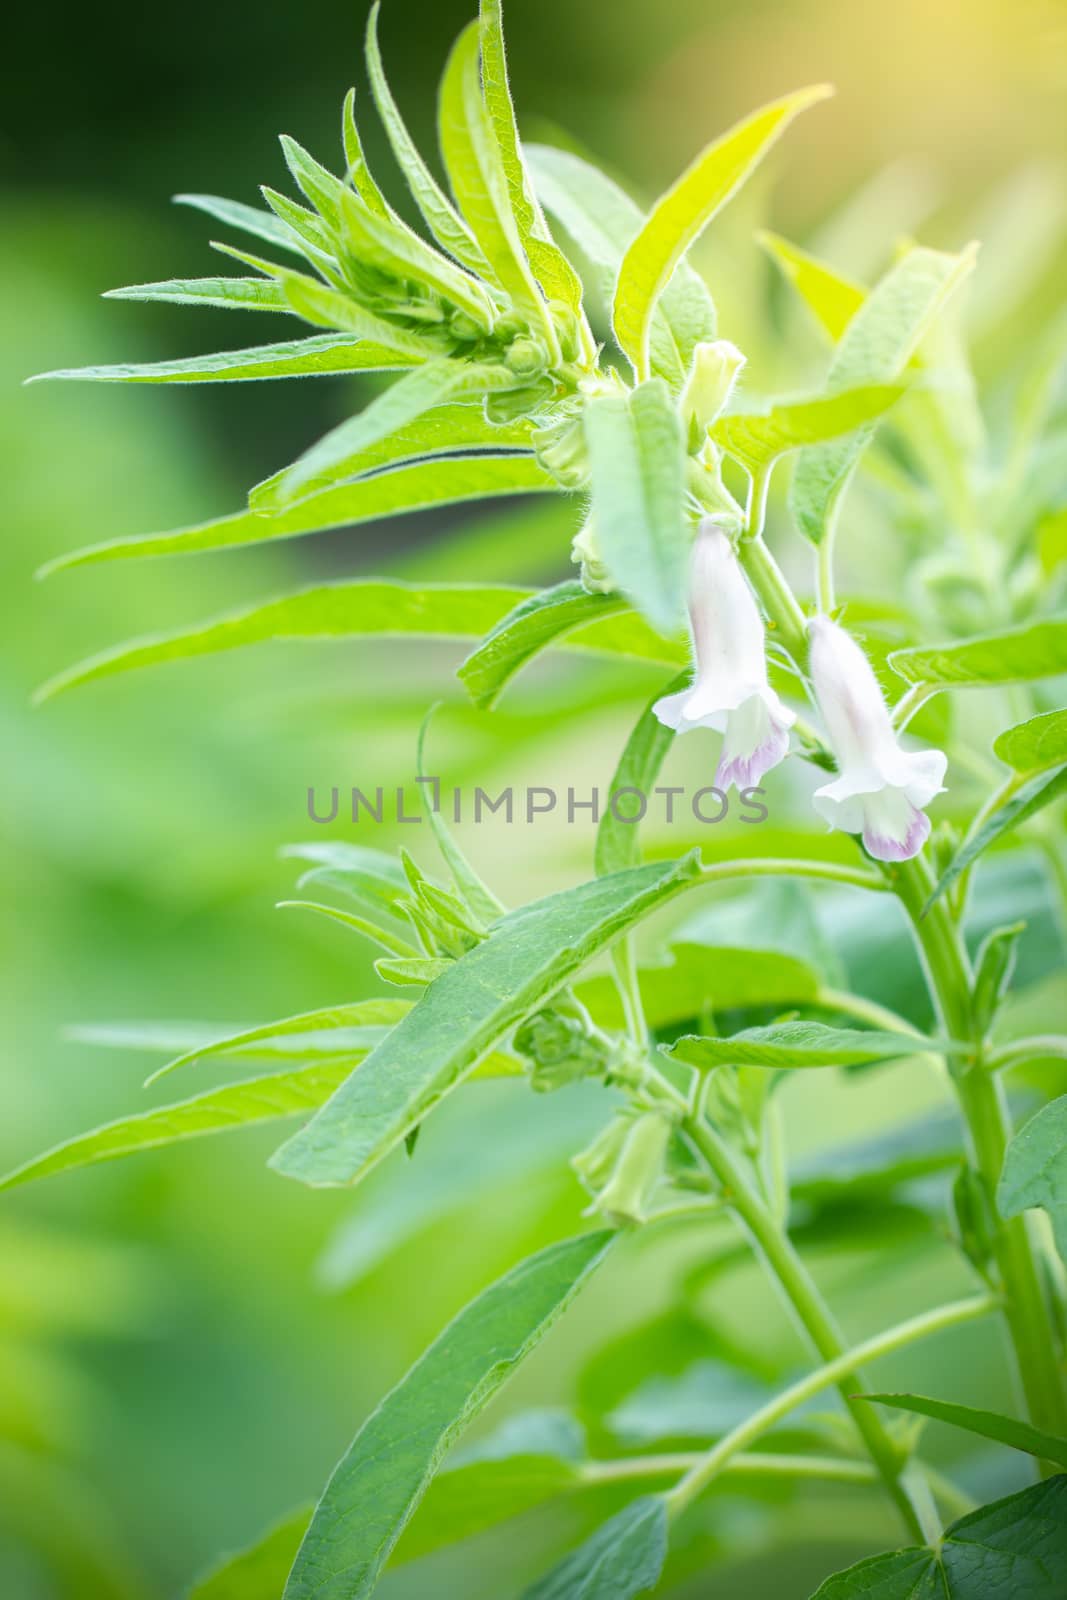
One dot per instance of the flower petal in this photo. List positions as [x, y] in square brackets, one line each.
[757, 739]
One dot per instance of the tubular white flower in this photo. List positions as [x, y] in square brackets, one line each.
[881, 790]
[729, 691]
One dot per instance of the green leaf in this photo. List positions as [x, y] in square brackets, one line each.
[1035, 1171]
[550, 266]
[262, 1569]
[314, 1034]
[476, 895]
[758, 438]
[602, 220]
[405, 488]
[438, 212]
[637, 459]
[623, 1558]
[876, 346]
[388, 245]
[475, 170]
[986, 1424]
[799, 1044]
[359, 174]
[1014, 1548]
[239, 1105]
[465, 1500]
[832, 298]
[317, 303]
[1033, 745]
[540, 619]
[365, 926]
[681, 214]
[527, 956]
[1024, 804]
[252, 294]
[380, 1481]
[298, 358]
[249, 219]
[361, 608]
[319, 186]
[402, 404]
[1016, 655]
[618, 839]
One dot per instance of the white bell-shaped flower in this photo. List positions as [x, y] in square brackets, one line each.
[881, 790]
[729, 691]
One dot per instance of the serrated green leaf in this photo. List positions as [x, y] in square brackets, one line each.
[622, 1559]
[986, 1424]
[757, 438]
[683, 213]
[602, 220]
[550, 266]
[1024, 804]
[1014, 1548]
[403, 404]
[380, 1481]
[527, 956]
[297, 358]
[540, 619]
[361, 608]
[1016, 655]
[1035, 744]
[249, 219]
[637, 461]
[438, 212]
[386, 494]
[799, 1044]
[250, 294]
[832, 298]
[475, 171]
[875, 347]
[1035, 1171]
[261, 1569]
[278, 1094]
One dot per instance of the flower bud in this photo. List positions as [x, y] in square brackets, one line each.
[714, 371]
[638, 1167]
[585, 551]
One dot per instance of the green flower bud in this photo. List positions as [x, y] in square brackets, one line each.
[464, 327]
[585, 551]
[562, 1046]
[566, 325]
[561, 450]
[526, 357]
[712, 375]
[638, 1168]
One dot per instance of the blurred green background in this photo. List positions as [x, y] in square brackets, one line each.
[183, 1351]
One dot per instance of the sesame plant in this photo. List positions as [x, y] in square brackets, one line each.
[541, 335]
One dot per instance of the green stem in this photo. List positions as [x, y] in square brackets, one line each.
[837, 1371]
[1019, 1050]
[811, 1311]
[786, 619]
[834, 1469]
[773, 867]
[985, 1111]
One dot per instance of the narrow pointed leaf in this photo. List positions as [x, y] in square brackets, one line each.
[249, 219]
[622, 1559]
[318, 185]
[1035, 744]
[1016, 655]
[251, 294]
[876, 346]
[758, 438]
[389, 245]
[553, 615]
[1014, 1548]
[318, 242]
[986, 1424]
[239, 1105]
[550, 266]
[358, 1026]
[637, 459]
[359, 174]
[1033, 797]
[618, 838]
[475, 171]
[365, 926]
[299, 358]
[262, 1569]
[405, 488]
[1035, 1172]
[476, 895]
[329, 308]
[683, 213]
[377, 1486]
[439, 214]
[527, 956]
[832, 298]
[800, 1044]
[402, 404]
[603, 220]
